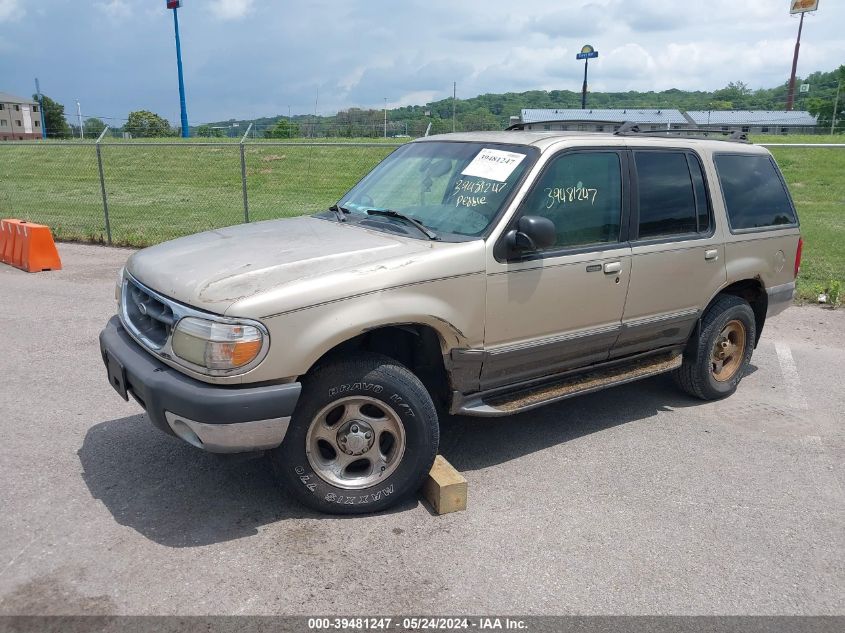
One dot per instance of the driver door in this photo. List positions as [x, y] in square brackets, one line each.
[561, 308]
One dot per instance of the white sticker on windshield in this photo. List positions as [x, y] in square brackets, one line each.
[493, 164]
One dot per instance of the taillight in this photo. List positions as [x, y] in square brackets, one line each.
[798, 255]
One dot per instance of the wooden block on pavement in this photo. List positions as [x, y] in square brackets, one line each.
[445, 488]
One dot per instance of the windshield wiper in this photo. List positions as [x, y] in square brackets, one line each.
[390, 213]
[339, 211]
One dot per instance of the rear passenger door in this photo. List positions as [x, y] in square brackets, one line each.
[678, 259]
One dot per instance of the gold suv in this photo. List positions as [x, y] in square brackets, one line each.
[476, 274]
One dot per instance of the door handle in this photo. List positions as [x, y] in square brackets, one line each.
[711, 253]
[612, 267]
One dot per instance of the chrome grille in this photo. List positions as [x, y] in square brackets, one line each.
[150, 318]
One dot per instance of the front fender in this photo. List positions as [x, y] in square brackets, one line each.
[453, 307]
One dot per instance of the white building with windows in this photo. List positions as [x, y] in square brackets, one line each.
[601, 120]
[20, 119]
[650, 120]
[755, 121]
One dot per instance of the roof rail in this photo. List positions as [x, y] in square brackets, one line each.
[631, 129]
[627, 128]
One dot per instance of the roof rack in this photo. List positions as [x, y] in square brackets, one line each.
[632, 129]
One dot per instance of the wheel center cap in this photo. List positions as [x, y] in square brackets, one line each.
[355, 437]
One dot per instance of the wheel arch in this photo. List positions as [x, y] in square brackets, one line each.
[751, 290]
[418, 346]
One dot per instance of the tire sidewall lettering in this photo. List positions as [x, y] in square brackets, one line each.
[379, 491]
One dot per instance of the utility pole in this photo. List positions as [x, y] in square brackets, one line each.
[454, 102]
[79, 119]
[41, 107]
[316, 107]
[385, 117]
[183, 109]
[790, 95]
[835, 106]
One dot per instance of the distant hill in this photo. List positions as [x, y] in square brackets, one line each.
[493, 111]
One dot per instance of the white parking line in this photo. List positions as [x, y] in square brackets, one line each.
[790, 375]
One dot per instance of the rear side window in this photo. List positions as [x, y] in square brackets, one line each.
[671, 195]
[755, 195]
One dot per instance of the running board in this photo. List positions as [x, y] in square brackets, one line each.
[521, 400]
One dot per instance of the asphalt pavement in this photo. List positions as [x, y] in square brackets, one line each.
[634, 500]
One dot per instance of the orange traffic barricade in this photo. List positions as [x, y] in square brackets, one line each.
[28, 246]
[7, 240]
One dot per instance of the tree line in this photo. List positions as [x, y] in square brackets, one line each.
[483, 112]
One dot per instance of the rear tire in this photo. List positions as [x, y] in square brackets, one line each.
[363, 437]
[716, 359]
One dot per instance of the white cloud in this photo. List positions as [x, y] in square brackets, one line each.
[11, 10]
[117, 10]
[230, 9]
[357, 53]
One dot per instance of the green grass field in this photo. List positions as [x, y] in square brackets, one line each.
[158, 192]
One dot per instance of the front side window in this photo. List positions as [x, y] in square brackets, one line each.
[453, 188]
[667, 200]
[581, 193]
[755, 195]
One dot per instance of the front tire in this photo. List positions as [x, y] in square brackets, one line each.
[363, 437]
[716, 359]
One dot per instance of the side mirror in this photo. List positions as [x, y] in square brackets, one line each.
[532, 233]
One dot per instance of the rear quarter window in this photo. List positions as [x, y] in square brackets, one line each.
[755, 194]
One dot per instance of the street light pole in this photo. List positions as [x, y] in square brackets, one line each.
[385, 117]
[41, 108]
[79, 119]
[175, 4]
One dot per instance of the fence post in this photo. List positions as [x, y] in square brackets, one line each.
[243, 174]
[103, 186]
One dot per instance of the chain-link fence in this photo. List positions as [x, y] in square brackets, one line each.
[140, 193]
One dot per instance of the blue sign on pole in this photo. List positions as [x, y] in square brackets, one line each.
[587, 52]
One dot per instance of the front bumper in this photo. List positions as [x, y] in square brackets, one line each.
[216, 418]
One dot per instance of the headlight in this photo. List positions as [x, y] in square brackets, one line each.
[118, 286]
[216, 345]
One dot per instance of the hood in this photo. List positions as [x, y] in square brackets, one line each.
[269, 267]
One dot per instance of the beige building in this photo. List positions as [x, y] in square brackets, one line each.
[20, 119]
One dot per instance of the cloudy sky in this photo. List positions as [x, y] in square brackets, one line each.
[250, 58]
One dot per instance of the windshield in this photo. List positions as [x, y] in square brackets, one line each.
[453, 188]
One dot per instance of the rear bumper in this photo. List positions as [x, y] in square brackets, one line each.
[780, 298]
[219, 419]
